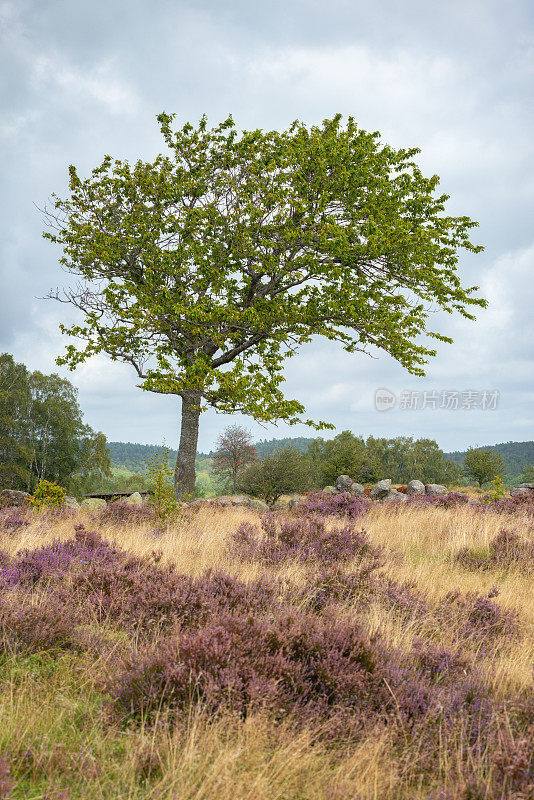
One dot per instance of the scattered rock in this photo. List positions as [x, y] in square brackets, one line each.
[344, 483]
[258, 505]
[330, 489]
[134, 499]
[380, 489]
[72, 503]
[240, 500]
[520, 490]
[526, 486]
[93, 504]
[393, 496]
[357, 490]
[223, 501]
[12, 497]
[435, 488]
[415, 487]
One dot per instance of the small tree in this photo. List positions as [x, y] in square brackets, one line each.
[283, 472]
[482, 464]
[234, 452]
[160, 479]
[205, 269]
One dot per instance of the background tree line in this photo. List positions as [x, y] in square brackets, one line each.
[43, 435]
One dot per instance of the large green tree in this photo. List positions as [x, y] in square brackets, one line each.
[42, 432]
[15, 403]
[207, 267]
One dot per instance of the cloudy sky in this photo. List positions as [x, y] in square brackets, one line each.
[80, 80]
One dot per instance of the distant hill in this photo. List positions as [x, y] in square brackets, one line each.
[132, 456]
[516, 456]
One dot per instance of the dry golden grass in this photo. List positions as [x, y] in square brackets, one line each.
[230, 760]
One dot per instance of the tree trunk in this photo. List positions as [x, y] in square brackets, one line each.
[184, 473]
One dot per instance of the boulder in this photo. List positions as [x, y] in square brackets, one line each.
[134, 499]
[393, 496]
[72, 503]
[521, 490]
[330, 489]
[357, 490]
[526, 486]
[258, 505]
[294, 501]
[435, 488]
[415, 487]
[344, 483]
[223, 501]
[380, 489]
[93, 504]
[240, 500]
[12, 497]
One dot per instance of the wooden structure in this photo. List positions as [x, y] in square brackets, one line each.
[116, 495]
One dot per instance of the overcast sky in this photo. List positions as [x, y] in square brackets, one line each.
[80, 80]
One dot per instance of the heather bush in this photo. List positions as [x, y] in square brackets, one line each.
[25, 628]
[478, 618]
[522, 504]
[507, 550]
[121, 513]
[12, 519]
[290, 665]
[51, 562]
[281, 539]
[150, 599]
[329, 584]
[449, 500]
[343, 504]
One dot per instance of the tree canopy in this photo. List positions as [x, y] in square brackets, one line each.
[483, 464]
[206, 268]
[42, 433]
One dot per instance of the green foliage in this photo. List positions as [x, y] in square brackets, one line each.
[15, 404]
[400, 459]
[282, 472]
[42, 433]
[497, 489]
[47, 494]
[216, 263]
[161, 481]
[482, 464]
[517, 456]
[528, 474]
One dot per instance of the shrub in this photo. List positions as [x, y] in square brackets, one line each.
[292, 665]
[343, 504]
[302, 539]
[29, 629]
[12, 519]
[161, 480]
[121, 513]
[506, 550]
[449, 500]
[52, 561]
[283, 472]
[48, 494]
